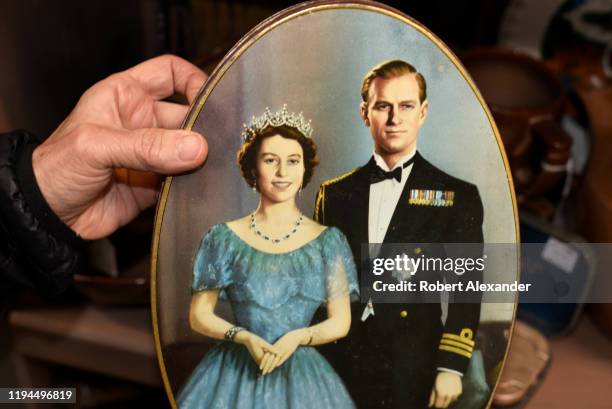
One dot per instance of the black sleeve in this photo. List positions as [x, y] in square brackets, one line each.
[37, 249]
[458, 340]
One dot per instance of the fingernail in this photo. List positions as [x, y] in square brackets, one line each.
[189, 147]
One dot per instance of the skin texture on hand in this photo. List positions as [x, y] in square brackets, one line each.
[446, 390]
[285, 346]
[258, 348]
[101, 166]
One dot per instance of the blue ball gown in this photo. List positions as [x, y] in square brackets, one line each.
[270, 294]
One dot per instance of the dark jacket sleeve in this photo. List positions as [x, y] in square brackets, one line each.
[458, 340]
[37, 249]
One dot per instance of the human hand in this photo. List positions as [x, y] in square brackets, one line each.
[285, 346]
[256, 345]
[94, 170]
[446, 390]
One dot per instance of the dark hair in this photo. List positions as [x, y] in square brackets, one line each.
[247, 155]
[393, 69]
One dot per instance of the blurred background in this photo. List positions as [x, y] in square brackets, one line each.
[544, 68]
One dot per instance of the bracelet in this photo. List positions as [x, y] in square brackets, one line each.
[310, 332]
[231, 333]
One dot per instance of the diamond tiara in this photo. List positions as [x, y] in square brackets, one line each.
[278, 118]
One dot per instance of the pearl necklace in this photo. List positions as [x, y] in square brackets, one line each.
[253, 226]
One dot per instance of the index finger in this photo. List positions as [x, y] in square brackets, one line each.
[269, 347]
[163, 76]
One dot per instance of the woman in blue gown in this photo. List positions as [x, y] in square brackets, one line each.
[276, 267]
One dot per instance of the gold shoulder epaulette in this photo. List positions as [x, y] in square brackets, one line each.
[320, 203]
[339, 178]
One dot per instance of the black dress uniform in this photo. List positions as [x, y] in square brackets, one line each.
[391, 359]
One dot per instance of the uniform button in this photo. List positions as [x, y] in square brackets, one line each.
[417, 250]
[403, 313]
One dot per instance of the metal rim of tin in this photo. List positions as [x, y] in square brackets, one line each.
[215, 77]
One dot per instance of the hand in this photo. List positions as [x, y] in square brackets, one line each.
[94, 170]
[447, 389]
[256, 346]
[285, 346]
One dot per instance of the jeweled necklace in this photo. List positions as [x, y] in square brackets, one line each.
[296, 225]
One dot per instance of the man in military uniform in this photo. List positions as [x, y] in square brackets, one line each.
[401, 355]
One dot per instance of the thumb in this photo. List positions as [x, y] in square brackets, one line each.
[432, 398]
[156, 150]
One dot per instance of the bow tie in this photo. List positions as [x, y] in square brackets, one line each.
[378, 175]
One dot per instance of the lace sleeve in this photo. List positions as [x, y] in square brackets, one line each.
[341, 277]
[210, 268]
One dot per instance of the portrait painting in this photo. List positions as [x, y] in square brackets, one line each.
[347, 148]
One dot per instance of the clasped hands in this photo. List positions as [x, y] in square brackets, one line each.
[270, 356]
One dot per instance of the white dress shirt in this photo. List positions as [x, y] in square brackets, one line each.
[384, 196]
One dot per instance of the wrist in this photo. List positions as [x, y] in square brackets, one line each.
[33, 184]
[42, 179]
[305, 336]
[242, 337]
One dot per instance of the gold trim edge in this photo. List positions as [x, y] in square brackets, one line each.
[218, 73]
